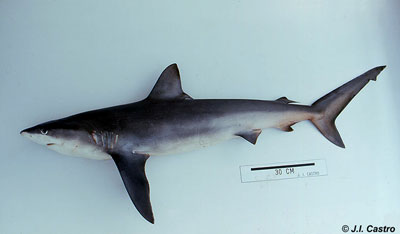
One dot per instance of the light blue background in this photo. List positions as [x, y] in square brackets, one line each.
[59, 58]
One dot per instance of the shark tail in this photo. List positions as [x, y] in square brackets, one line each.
[331, 105]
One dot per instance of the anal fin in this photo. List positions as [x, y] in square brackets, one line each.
[287, 128]
[250, 136]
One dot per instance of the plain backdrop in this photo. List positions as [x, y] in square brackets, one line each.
[58, 58]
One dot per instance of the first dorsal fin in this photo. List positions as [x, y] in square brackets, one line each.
[168, 86]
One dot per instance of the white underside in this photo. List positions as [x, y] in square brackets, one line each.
[69, 147]
[224, 128]
[183, 145]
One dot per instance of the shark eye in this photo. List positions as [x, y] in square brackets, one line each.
[44, 132]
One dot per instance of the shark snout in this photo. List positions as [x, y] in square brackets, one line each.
[25, 133]
[29, 131]
[34, 134]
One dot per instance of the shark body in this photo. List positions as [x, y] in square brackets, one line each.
[169, 121]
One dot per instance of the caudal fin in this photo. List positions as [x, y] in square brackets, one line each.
[330, 105]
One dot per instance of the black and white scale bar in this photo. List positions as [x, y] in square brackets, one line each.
[283, 166]
[281, 171]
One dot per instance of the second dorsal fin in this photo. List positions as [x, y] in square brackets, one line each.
[168, 86]
[284, 100]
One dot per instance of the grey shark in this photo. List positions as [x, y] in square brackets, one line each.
[169, 121]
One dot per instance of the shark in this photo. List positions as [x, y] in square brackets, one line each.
[169, 121]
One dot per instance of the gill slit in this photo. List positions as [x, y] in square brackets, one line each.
[105, 139]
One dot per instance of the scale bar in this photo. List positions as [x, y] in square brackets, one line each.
[283, 170]
[282, 166]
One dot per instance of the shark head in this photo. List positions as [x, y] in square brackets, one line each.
[66, 138]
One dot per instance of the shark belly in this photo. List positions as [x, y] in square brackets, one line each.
[184, 144]
[201, 132]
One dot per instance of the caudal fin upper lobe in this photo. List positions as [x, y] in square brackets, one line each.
[330, 105]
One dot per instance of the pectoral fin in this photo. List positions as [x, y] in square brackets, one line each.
[132, 169]
[250, 136]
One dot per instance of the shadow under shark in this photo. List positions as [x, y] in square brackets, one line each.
[169, 121]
